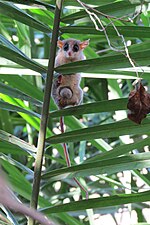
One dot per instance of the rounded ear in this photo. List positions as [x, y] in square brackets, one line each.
[60, 43]
[84, 44]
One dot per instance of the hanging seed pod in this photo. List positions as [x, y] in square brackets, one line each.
[138, 104]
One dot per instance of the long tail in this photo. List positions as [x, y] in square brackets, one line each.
[68, 159]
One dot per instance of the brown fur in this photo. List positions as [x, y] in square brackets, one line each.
[66, 89]
[63, 57]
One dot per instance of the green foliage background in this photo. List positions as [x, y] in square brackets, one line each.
[109, 154]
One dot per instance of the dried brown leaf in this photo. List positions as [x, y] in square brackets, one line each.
[138, 104]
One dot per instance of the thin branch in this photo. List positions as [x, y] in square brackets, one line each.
[45, 110]
[112, 17]
[94, 18]
[64, 144]
[138, 12]
[126, 50]
[103, 14]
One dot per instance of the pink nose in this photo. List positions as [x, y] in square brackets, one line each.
[69, 53]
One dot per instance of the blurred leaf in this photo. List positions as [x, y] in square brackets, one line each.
[109, 166]
[5, 121]
[99, 202]
[30, 2]
[44, 16]
[9, 139]
[102, 131]
[74, 3]
[23, 85]
[5, 89]
[120, 150]
[75, 124]
[7, 43]
[13, 108]
[12, 11]
[23, 186]
[142, 224]
[17, 164]
[8, 148]
[112, 9]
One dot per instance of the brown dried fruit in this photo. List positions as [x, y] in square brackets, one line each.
[138, 104]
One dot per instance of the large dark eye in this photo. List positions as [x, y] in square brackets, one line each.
[66, 47]
[75, 48]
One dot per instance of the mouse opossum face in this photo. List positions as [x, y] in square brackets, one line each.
[72, 49]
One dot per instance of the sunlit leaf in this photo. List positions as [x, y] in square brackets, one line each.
[96, 107]
[10, 10]
[99, 202]
[102, 131]
[13, 108]
[18, 58]
[109, 166]
[127, 31]
[94, 65]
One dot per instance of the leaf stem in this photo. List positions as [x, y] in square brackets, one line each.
[45, 110]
